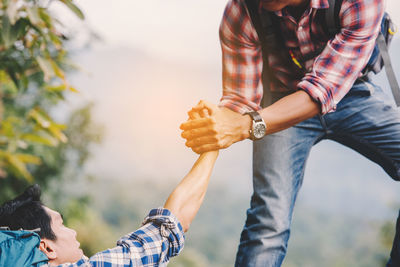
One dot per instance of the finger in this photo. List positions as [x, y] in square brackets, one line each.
[197, 123]
[196, 133]
[205, 105]
[197, 114]
[194, 115]
[207, 140]
[204, 113]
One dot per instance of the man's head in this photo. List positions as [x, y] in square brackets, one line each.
[276, 5]
[27, 212]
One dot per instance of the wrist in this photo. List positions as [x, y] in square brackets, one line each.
[246, 123]
[258, 127]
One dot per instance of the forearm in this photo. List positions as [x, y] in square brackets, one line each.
[281, 115]
[289, 111]
[186, 199]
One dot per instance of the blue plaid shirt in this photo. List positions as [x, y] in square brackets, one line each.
[160, 238]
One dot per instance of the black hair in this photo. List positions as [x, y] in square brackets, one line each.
[27, 212]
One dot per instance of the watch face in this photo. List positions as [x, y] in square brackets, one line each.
[259, 130]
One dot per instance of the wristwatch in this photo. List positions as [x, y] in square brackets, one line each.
[258, 128]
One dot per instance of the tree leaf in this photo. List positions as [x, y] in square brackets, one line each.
[46, 66]
[34, 138]
[56, 88]
[73, 89]
[58, 72]
[8, 34]
[33, 15]
[27, 158]
[73, 8]
[12, 11]
[44, 15]
[40, 119]
[18, 167]
[58, 133]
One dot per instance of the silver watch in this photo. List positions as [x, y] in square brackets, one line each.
[258, 128]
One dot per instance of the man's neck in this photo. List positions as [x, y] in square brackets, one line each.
[298, 8]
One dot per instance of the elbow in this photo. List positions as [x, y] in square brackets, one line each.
[185, 226]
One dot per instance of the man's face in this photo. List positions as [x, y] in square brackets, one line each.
[66, 247]
[276, 5]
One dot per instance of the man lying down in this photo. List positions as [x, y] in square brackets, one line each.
[160, 238]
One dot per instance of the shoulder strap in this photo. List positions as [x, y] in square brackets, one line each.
[252, 8]
[394, 85]
[332, 18]
[265, 25]
[332, 21]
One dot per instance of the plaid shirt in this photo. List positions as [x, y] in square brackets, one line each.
[160, 238]
[329, 76]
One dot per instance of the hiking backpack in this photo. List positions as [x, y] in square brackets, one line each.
[267, 28]
[20, 249]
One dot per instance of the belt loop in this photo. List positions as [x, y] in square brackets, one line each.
[323, 123]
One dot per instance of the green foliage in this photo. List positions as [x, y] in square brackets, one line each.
[33, 61]
[61, 165]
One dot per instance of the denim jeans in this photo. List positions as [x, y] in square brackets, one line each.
[365, 120]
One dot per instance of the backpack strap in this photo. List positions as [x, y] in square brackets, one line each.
[261, 27]
[394, 85]
[266, 26]
[332, 18]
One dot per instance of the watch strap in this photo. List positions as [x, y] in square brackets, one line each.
[255, 116]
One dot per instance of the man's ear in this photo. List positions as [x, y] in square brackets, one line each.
[46, 246]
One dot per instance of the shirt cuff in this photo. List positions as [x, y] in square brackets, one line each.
[320, 94]
[170, 228]
[237, 106]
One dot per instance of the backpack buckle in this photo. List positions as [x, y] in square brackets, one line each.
[392, 32]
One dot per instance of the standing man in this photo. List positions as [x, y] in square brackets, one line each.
[329, 100]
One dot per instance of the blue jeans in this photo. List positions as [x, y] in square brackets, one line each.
[365, 120]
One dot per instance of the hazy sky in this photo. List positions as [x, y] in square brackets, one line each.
[169, 28]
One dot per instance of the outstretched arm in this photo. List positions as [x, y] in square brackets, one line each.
[186, 199]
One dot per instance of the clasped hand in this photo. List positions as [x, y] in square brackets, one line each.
[210, 127]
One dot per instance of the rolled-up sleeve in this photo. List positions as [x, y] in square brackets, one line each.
[160, 238]
[241, 60]
[335, 70]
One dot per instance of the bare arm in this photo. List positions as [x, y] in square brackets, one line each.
[186, 199]
[225, 127]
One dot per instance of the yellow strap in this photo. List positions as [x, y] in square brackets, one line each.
[295, 59]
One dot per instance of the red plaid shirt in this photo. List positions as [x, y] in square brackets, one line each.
[329, 76]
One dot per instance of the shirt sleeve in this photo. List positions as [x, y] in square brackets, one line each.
[335, 70]
[241, 60]
[160, 238]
